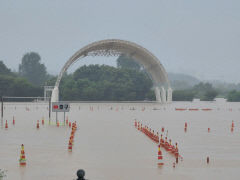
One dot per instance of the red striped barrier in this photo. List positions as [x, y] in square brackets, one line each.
[193, 109]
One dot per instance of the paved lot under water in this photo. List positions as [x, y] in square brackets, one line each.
[108, 147]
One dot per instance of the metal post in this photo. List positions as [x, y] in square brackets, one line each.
[64, 117]
[2, 112]
[2, 107]
[49, 109]
[56, 118]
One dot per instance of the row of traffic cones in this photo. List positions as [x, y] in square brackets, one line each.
[38, 123]
[57, 124]
[186, 126]
[169, 147]
[147, 131]
[71, 139]
[6, 123]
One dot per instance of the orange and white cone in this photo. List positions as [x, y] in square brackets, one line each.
[185, 127]
[166, 144]
[6, 125]
[160, 156]
[38, 124]
[176, 151]
[161, 140]
[162, 129]
[170, 146]
[70, 146]
[209, 130]
[22, 159]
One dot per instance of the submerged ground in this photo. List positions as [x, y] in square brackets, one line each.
[108, 147]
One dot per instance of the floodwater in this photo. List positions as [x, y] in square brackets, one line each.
[108, 146]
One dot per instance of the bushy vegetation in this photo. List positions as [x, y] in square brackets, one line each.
[13, 85]
[234, 96]
[202, 91]
[126, 82]
[107, 83]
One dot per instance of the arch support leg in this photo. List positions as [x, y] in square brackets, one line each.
[157, 94]
[163, 95]
[169, 95]
[55, 94]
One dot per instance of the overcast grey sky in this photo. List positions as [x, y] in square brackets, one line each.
[197, 37]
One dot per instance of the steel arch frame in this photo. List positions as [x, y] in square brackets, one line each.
[115, 47]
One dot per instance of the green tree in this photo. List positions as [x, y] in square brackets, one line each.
[183, 95]
[210, 95]
[124, 61]
[32, 69]
[107, 83]
[205, 91]
[16, 86]
[233, 96]
[4, 70]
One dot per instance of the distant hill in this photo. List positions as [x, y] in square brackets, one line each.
[182, 81]
[224, 86]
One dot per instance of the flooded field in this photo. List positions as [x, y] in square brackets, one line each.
[108, 146]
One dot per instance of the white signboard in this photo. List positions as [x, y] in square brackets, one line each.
[60, 107]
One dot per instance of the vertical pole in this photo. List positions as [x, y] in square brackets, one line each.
[64, 118]
[45, 94]
[56, 118]
[2, 107]
[49, 109]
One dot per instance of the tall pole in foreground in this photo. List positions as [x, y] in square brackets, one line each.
[49, 109]
[2, 108]
[64, 117]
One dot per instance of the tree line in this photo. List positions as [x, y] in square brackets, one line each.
[126, 82]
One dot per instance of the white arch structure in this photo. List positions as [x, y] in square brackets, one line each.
[115, 47]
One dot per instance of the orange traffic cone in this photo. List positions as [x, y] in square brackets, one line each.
[185, 127]
[161, 140]
[174, 165]
[176, 151]
[162, 129]
[166, 144]
[170, 146]
[70, 146]
[57, 123]
[38, 124]
[160, 157]
[22, 159]
[6, 125]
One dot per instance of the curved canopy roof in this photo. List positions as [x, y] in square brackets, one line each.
[116, 47]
